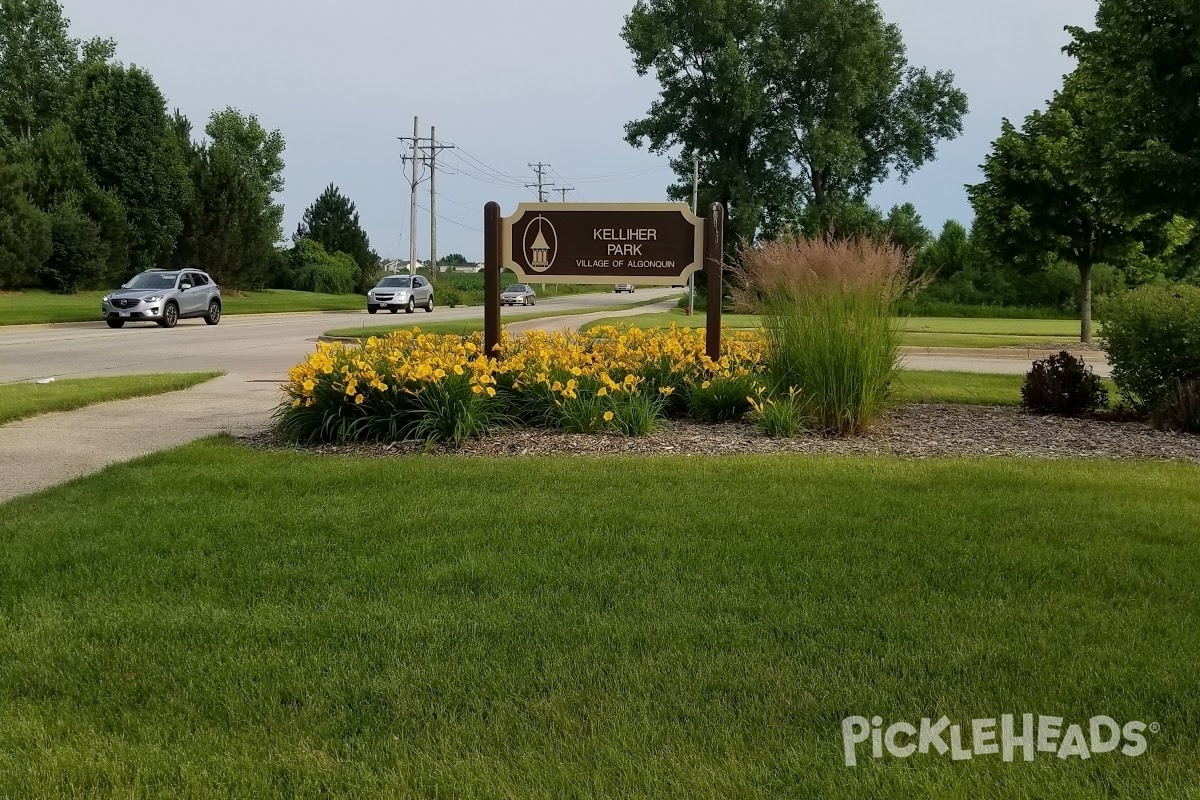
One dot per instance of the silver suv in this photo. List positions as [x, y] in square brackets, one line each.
[401, 291]
[165, 297]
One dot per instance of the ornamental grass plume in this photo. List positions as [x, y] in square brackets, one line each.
[828, 318]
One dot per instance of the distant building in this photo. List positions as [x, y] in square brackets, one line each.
[397, 265]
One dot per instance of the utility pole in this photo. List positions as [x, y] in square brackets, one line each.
[563, 191]
[695, 205]
[542, 185]
[412, 218]
[434, 148]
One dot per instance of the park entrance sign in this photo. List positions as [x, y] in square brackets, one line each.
[657, 244]
[649, 244]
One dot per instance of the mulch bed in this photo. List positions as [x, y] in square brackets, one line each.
[910, 431]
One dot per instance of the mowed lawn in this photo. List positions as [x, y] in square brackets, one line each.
[623, 627]
[23, 308]
[967, 388]
[21, 400]
[918, 331]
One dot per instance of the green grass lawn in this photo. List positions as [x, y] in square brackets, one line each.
[22, 308]
[620, 627]
[966, 388]
[21, 400]
[918, 331]
[469, 326]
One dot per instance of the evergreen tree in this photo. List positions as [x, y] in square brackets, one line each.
[87, 223]
[332, 221]
[24, 230]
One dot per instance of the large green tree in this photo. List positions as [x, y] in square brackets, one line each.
[795, 108]
[37, 59]
[855, 110]
[24, 230]
[131, 148]
[332, 221]
[1035, 208]
[88, 224]
[1142, 68]
[231, 222]
[716, 104]
[259, 155]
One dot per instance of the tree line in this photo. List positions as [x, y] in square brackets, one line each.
[98, 181]
[796, 109]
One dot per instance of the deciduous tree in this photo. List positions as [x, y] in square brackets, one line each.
[855, 110]
[1034, 208]
[37, 59]
[795, 108]
[131, 149]
[1142, 69]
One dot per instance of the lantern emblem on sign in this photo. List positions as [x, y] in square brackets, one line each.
[541, 244]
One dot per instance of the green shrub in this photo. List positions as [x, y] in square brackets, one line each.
[828, 311]
[1152, 337]
[314, 270]
[722, 399]
[1179, 408]
[450, 298]
[1065, 385]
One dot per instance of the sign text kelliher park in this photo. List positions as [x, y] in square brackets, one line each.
[649, 244]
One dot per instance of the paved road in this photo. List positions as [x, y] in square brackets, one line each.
[256, 347]
[255, 352]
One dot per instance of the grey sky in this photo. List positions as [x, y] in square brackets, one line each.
[343, 80]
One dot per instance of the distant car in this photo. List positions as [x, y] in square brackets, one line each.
[623, 287]
[164, 296]
[518, 295]
[401, 291]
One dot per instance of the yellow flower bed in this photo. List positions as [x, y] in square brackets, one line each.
[376, 389]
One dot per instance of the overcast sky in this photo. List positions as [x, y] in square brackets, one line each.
[516, 83]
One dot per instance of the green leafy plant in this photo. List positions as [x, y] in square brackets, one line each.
[451, 298]
[780, 417]
[449, 411]
[1179, 408]
[1065, 385]
[722, 399]
[637, 413]
[1152, 337]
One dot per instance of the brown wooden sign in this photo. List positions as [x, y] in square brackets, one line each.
[654, 244]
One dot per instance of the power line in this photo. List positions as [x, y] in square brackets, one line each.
[620, 178]
[451, 221]
[488, 168]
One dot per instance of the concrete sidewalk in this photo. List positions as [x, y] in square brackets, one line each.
[50, 449]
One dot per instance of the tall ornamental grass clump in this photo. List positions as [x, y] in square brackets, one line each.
[828, 314]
